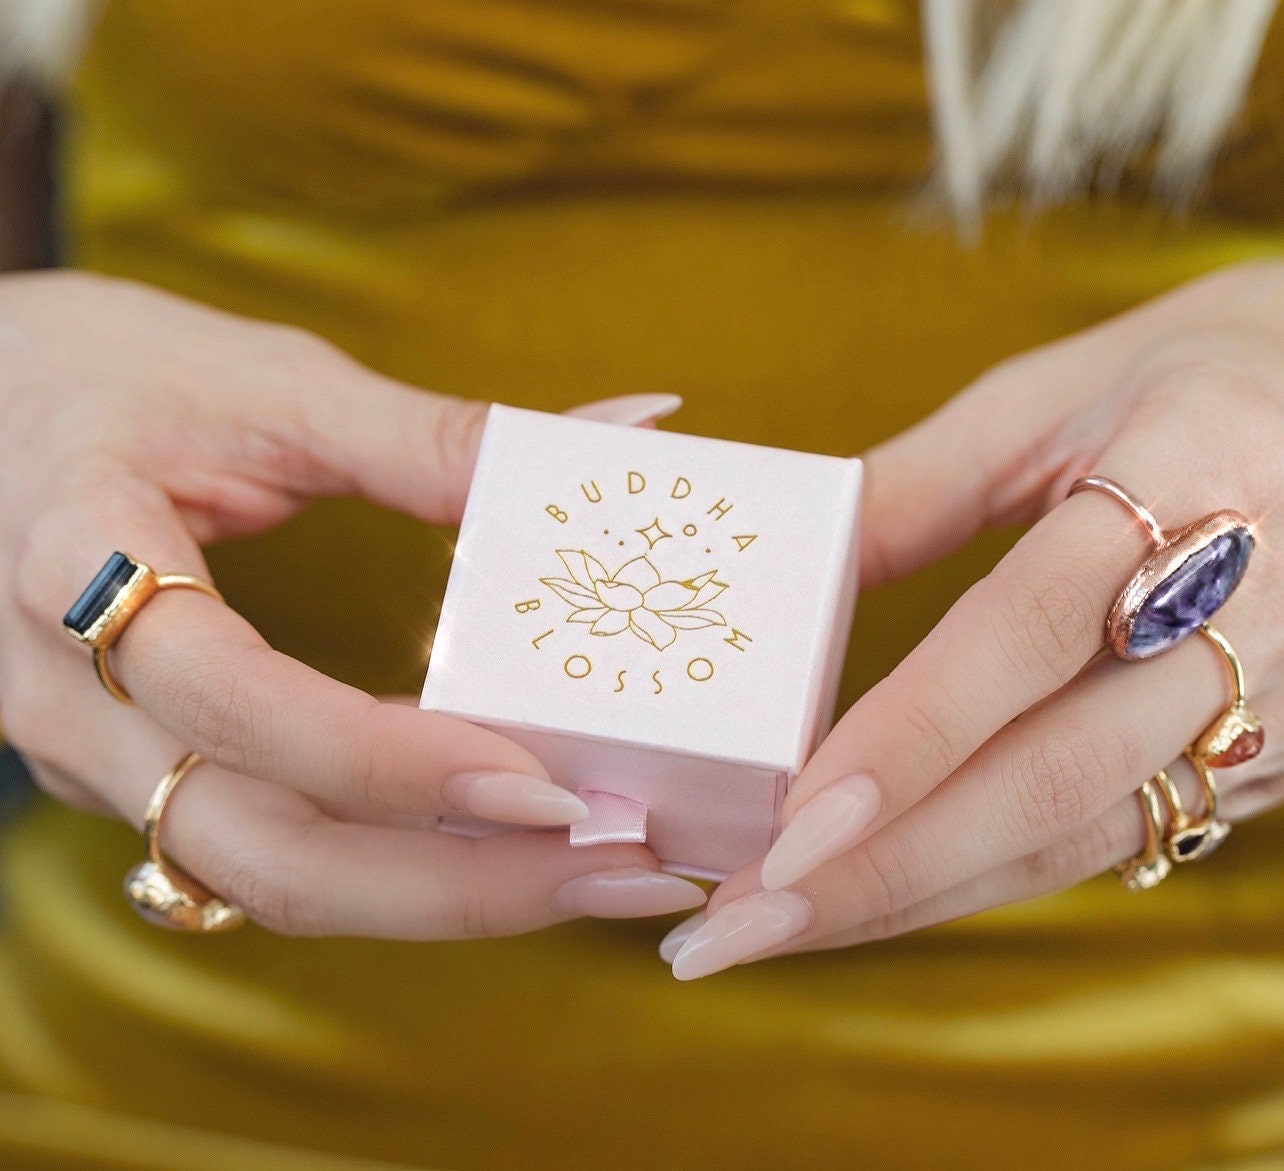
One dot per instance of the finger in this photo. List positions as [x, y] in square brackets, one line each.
[206, 676]
[1119, 834]
[406, 448]
[295, 869]
[1012, 640]
[1043, 780]
[981, 460]
[298, 872]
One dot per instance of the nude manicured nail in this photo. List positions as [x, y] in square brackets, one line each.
[630, 410]
[832, 822]
[514, 797]
[672, 943]
[626, 894]
[744, 928]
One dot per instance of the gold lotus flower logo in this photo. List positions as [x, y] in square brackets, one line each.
[635, 598]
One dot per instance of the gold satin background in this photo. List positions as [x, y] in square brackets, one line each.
[545, 202]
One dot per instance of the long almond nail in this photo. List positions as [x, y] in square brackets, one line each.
[744, 928]
[672, 943]
[629, 410]
[626, 894]
[831, 823]
[514, 797]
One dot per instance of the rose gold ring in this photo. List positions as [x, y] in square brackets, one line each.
[1184, 582]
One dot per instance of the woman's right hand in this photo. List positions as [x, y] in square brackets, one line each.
[131, 419]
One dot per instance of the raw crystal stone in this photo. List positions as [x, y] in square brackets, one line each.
[1248, 744]
[99, 594]
[1190, 595]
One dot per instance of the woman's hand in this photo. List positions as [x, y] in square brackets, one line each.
[931, 799]
[133, 420]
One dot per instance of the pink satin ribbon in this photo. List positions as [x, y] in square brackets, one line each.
[611, 818]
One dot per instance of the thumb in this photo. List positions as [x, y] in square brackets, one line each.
[414, 451]
[1000, 452]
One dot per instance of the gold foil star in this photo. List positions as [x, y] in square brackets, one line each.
[654, 533]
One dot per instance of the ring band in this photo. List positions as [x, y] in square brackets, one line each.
[1184, 582]
[1237, 734]
[165, 894]
[121, 588]
[1191, 838]
[1150, 867]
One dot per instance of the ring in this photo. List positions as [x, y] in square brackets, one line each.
[1237, 734]
[1152, 865]
[121, 588]
[1189, 838]
[1182, 584]
[161, 892]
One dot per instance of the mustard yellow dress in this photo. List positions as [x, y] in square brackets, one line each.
[546, 201]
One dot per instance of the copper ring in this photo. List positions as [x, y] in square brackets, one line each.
[1184, 582]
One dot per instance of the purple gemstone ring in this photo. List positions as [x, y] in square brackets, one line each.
[1182, 584]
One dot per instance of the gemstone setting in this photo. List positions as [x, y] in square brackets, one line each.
[98, 597]
[1183, 584]
[1236, 737]
[1197, 840]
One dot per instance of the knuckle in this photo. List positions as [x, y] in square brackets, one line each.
[1077, 857]
[474, 917]
[223, 721]
[887, 881]
[1057, 785]
[1049, 626]
[454, 434]
[936, 723]
[264, 888]
[361, 776]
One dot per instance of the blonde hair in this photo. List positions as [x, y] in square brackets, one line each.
[1051, 96]
[1062, 94]
[41, 40]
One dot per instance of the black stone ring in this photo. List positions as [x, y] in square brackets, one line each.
[121, 588]
[1182, 584]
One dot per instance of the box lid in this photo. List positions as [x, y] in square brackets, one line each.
[649, 588]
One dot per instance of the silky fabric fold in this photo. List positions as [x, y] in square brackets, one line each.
[543, 202]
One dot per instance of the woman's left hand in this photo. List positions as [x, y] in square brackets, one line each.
[930, 799]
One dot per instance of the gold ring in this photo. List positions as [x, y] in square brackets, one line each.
[1152, 865]
[165, 894]
[122, 587]
[1183, 583]
[1190, 838]
[1237, 734]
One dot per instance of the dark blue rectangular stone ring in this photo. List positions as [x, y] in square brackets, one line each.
[117, 590]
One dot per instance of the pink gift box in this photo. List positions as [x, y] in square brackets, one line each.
[660, 618]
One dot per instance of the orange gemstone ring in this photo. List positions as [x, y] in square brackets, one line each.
[1237, 734]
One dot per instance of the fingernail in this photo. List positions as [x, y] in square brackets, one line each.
[830, 823]
[514, 797]
[626, 894]
[672, 943]
[629, 410]
[742, 929]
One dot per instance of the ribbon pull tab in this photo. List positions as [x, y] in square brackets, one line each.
[611, 818]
